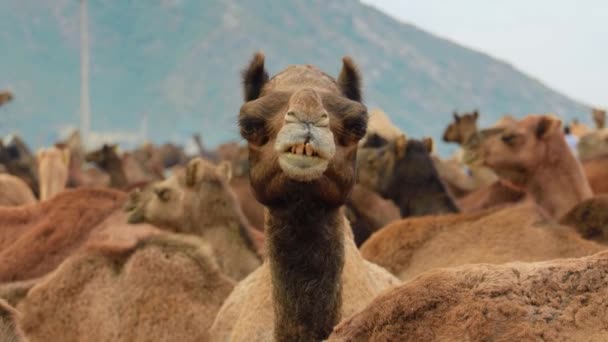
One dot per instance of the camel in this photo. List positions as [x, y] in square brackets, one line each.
[380, 124]
[5, 97]
[590, 218]
[124, 171]
[497, 194]
[302, 128]
[463, 131]
[18, 160]
[579, 129]
[202, 150]
[252, 209]
[599, 118]
[14, 191]
[36, 238]
[202, 203]
[367, 212]
[557, 300]
[594, 144]
[596, 171]
[136, 284]
[533, 155]
[53, 171]
[520, 232]
[403, 172]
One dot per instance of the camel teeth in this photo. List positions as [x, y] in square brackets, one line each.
[309, 150]
[300, 149]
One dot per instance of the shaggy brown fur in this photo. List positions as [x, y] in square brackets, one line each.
[367, 212]
[201, 202]
[596, 170]
[14, 191]
[141, 286]
[53, 171]
[35, 239]
[8, 329]
[301, 292]
[253, 210]
[590, 218]
[403, 172]
[558, 300]
[533, 155]
[497, 194]
[521, 232]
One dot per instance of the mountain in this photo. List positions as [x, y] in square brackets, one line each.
[177, 62]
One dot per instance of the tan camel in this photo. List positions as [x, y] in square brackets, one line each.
[557, 300]
[596, 171]
[53, 171]
[8, 328]
[534, 156]
[136, 284]
[593, 145]
[380, 123]
[14, 191]
[36, 238]
[579, 129]
[599, 118]
[590, 218]
[302, 127]
[521, 232]
[201, 202]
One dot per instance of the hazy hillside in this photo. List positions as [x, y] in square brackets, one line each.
[178, 61]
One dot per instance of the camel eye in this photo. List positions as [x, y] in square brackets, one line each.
[163, 194]
[509, 139]
[253, 129]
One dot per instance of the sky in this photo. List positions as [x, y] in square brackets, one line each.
[563, 43]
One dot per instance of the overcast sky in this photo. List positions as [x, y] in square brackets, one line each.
[564, 43]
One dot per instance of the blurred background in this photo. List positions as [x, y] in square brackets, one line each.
[162, 70]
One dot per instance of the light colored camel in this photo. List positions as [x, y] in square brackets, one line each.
[302, 129]
[14, 191]
[53, 171]
[136, 284]
[533, 155]
[557, 300]
[201, 202]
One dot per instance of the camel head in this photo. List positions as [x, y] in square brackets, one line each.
[403, 158]
[168, 202]
[514, 152]
[102, 156]
[599, 117]
[302, 128]
[463, 127]
[6, 97]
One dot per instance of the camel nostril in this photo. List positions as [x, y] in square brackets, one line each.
[291, 114]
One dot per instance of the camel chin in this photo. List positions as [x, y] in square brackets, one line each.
[301, 167]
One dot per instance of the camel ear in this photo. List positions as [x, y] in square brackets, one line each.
[546, 126]
[476, 114]
[456, 117]
[192, 170]
[349, 80]
[428, 144]
[254, 77]
[225, 170]
[400, 146]
[65, 154]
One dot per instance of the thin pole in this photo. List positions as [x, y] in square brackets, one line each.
[85, 103]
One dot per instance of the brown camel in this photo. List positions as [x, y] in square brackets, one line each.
[596, 171]
[201, 202]
[557, 300]
[534, 156]
[53, 171]
[462, 129]
[36, 238]
[14, 191]
[136, 284]
[521, 232]
[497, 194]
[302, 128]
[17, 159]
[107, 159]
[590, 218]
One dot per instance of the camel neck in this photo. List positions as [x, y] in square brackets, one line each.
[118, 178]
[559, 183]
[306, 255]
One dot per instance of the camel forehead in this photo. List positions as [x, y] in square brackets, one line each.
[302, 76]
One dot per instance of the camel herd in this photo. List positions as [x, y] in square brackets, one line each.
[330, 224]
